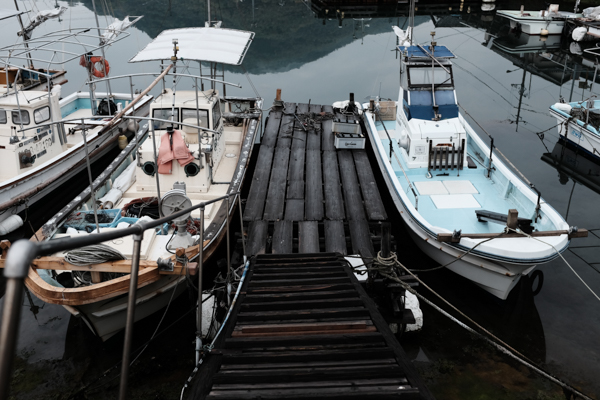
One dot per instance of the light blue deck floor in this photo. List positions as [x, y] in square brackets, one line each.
[490, 197]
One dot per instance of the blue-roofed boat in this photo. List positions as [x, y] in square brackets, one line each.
[579, 124]
[456, 197]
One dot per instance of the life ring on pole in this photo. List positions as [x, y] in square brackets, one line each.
[104, 69]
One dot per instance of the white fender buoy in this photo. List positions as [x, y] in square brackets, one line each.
[10, 224]
[544, 32]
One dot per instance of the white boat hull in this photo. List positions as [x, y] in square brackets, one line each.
[108, 318]
[35, 184]
[578, 135]
[532, 23]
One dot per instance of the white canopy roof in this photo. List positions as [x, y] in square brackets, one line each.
[7, 13]
[227, 46]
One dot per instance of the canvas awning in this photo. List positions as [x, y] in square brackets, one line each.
[227, 46]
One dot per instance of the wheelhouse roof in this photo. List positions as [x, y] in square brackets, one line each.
[226, 46]
[439, 52]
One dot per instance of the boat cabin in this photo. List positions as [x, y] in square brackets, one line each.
[427, 120]
[205, 145]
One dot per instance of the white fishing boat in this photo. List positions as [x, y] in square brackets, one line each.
[455, 197]
[543, 22]
[44, 137]
[199, 151]
[579, 124]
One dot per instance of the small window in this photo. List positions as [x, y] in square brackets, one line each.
[3, 119]
[165, 113]
[20, 117]
[41, 114]
[216, 115]
[192, 114]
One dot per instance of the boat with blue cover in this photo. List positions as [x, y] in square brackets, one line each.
[461, 204]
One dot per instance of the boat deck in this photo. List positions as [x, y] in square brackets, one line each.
[304, 328]
[307, 196]
[459, 191]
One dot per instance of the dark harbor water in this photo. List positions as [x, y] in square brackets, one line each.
[505, 89]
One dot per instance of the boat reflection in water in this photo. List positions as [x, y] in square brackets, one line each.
[573, 163]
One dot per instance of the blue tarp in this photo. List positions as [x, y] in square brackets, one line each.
[415, 51]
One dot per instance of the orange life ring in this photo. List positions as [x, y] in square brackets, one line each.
[102, 72]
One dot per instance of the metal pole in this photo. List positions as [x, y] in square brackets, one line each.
[198, 123]
[110, 95]
[133, 280]
[199, 310]
[228, 245]
[242, 227]
[17, 263]
[89, 169]
[156, 163]
[131, 87]
[385, 239]
[24, 37]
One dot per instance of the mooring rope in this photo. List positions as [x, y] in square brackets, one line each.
[499, 344]
[94, 254]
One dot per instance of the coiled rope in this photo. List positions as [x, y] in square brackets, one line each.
[94, 254]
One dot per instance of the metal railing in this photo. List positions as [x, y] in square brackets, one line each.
[23, 252]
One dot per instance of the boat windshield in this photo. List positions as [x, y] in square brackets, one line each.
[426, 76]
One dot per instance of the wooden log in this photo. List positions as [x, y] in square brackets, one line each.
[282, 237]
[448, 238]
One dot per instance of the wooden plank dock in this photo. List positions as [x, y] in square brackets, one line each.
[307, 196]
[303, 327]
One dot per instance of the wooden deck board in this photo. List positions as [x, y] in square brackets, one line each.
[334, 202]
[308, 237]
[282, 237]
[335, 238]
[368, 187]
[352, 194]
[314, 186]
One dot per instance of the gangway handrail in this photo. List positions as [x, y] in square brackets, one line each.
[23, 252]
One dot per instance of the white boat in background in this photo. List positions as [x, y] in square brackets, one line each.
[579, 124]
[543, 22]
[45, 133]
[199, 151]
[454, 196]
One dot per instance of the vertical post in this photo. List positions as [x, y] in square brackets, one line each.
[131, 87]
[242, 226]
[489, 172]
[200, 267]
[17, 264]
[198, 123]
[228, 245]
[156, 163]
[133, 280]
[89, 170]
[385, 240]
[110, 95]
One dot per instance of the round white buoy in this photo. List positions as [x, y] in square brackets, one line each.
[544, 32]
[578, 34]
[10, 224]
[122, 141]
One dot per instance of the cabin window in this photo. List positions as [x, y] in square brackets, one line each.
[20, 117]
[165, 113]
[3, 118]
[426, 76]
[216, 115]
[41, 114]
[191, 114]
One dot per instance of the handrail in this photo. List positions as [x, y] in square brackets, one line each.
[399, 163]
[23, 252]
[156, 74]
